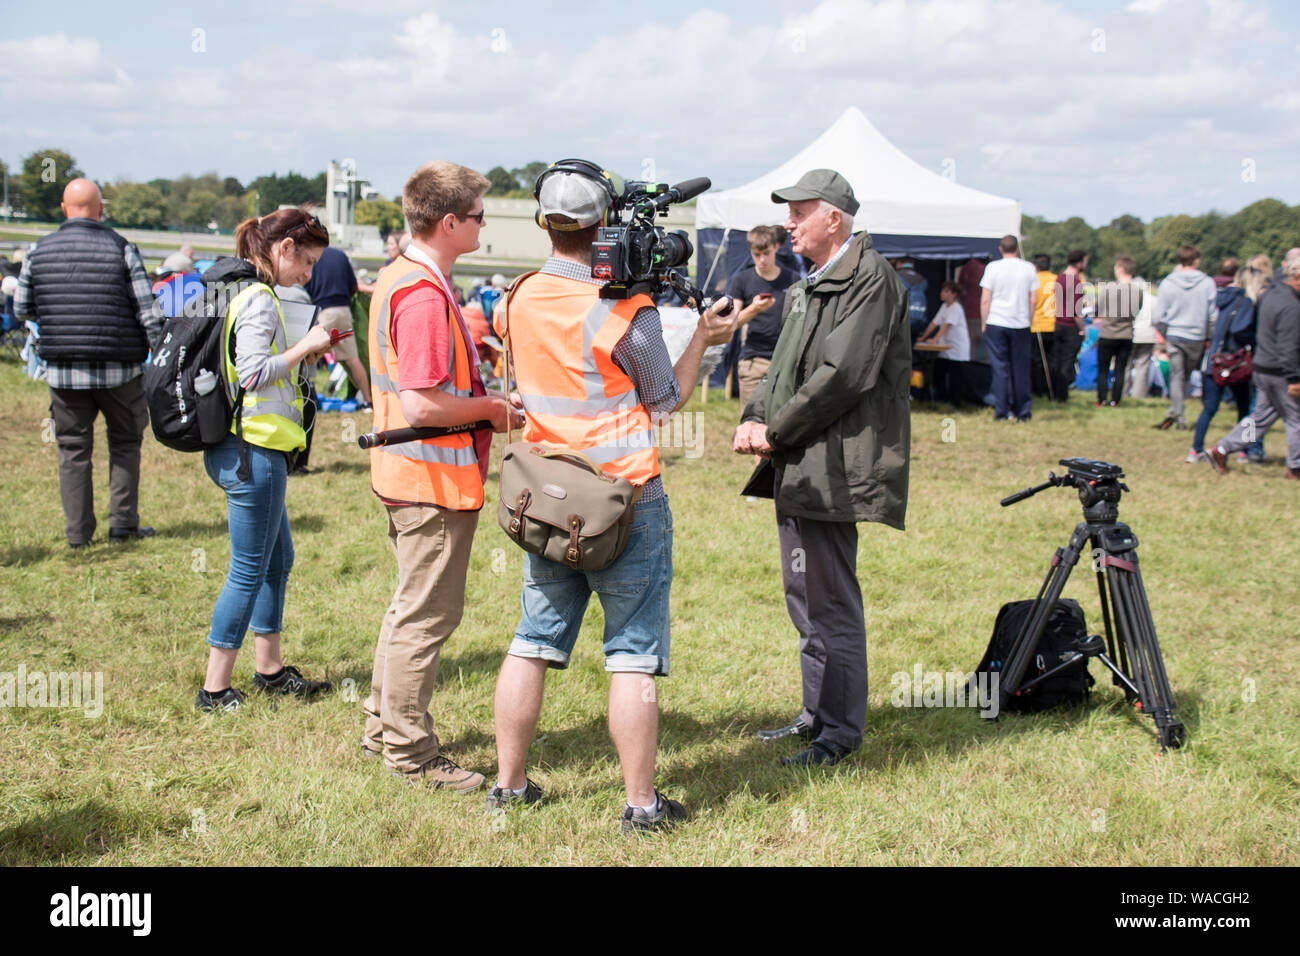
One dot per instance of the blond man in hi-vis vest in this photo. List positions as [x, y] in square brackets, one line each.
[424, 373]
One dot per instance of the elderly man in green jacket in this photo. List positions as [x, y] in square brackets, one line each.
[833, 420]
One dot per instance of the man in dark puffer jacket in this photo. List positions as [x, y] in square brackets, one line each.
[87, 288]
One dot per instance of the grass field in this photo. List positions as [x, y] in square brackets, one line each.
[149, 781]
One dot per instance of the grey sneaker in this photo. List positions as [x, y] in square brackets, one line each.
[441, 774]
[667, 814]
[502, 798]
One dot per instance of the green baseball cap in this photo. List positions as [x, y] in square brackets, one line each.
[820, 184]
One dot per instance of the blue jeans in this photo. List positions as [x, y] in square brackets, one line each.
[261, 547]
[1009, 357]
[1211, 397]
[633, 594]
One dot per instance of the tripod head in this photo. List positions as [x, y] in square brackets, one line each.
[1098, 483]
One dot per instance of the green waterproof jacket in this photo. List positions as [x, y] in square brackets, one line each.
[841, 444]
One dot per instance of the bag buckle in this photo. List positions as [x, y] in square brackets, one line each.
[517, 519]
[573, 553]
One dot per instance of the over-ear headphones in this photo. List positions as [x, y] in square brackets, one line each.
[612, 183]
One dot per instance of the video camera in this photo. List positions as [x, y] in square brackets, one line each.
[639, 254]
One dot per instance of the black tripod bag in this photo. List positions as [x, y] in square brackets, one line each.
[1060, 641]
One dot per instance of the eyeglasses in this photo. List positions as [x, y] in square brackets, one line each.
[476, 216]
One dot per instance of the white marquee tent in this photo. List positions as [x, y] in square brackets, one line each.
[908, 209]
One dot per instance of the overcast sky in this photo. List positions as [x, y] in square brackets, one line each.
[1095, 109]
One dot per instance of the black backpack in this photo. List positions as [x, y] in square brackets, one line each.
[189, 415]
[1060, 641]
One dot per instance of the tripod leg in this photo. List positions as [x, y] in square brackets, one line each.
[1138, 635]
[1106, 619]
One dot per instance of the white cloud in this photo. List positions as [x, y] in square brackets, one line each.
[1283, 102]
[1010, 89]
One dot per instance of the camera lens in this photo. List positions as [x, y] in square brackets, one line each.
[676, 250]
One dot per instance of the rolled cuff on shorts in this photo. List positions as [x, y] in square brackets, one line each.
[553, 656]
[637, 664]
[340, 317]
[614, 663]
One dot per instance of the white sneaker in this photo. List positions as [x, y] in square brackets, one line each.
[1194, 456]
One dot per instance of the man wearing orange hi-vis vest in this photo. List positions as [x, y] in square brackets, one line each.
[424, 373]
[594, 374]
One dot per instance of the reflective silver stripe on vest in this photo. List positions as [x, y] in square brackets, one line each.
[612, 451]
[269, 406]
[381, 382]
[449, 386]
[591, 325]
[433, 454]
[578, 407]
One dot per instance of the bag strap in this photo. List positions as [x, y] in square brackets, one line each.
[510, 368]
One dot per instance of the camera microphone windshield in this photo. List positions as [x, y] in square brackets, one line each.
[684, 191]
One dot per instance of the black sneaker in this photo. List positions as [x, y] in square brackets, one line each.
[667, 814]
[118, 535]
[502, 798]
[228, 700]
[290, 681]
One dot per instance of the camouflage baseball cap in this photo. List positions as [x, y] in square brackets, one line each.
[820, 184]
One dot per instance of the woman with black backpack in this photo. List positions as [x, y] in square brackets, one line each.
[1234, 330]
[251, 465]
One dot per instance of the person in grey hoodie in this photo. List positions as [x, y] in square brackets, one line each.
[1185, 314]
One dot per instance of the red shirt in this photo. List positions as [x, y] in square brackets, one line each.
[1069, 295]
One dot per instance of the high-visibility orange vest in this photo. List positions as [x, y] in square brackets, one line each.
[562, 339]
[438, 471]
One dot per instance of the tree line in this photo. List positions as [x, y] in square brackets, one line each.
[1268, 226]
[192, 202]
[187, 202]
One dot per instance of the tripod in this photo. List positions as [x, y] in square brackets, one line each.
[1124, 609]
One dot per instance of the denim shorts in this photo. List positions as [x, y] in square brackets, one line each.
[633, 593]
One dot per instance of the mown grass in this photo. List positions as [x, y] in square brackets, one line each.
[152, 782]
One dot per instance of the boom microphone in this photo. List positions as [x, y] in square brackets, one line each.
[684, 191]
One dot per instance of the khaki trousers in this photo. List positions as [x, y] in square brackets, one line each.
[751, 372]
[432, 546]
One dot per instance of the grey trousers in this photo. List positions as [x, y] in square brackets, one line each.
[1271, 403]
[1139, 371]
[125, 415]
[1184, 358]
[824, 600]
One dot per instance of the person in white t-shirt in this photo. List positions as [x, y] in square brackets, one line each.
[1009, 291]
[948, 327]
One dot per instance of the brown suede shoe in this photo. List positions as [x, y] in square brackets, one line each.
[441, 774]
[1292, 475]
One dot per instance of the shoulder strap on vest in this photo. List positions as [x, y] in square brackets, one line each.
[510, 368]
